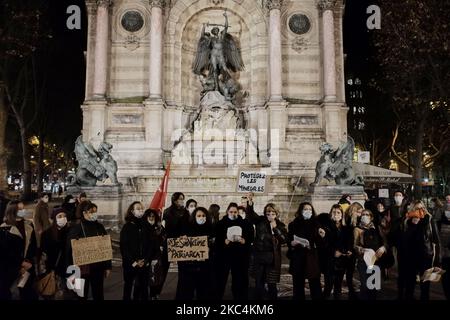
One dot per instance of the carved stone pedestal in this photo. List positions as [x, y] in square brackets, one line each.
[323, 197]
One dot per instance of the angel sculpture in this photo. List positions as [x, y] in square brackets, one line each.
[217, 56]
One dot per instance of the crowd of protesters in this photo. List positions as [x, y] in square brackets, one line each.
[331, 245]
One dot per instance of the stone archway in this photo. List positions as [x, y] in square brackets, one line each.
[182, 32]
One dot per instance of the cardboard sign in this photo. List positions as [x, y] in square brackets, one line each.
[188, 249]
[383, 193]
[91, 250]
[252, 181]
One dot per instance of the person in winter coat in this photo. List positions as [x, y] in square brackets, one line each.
[271, 233]
[304, 236]
[325, 251]
[53, 246]
[366, 237]
[194, 275]
[137, 252]
[12, 263]
[341, 240]
[418, 247]
[233, 242]
[69, 206]
[41, 217]
[157, 238]
[352, 216]
[175, 216]
[445, 246]
[95, 273]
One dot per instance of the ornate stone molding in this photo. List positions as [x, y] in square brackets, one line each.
[274, 4]
[104, 3]
[158, 3]
[216, 2]
[91, 8]
[326, 4]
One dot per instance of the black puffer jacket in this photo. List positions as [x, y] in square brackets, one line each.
[135, 243]
[263, 242]
[175, 218]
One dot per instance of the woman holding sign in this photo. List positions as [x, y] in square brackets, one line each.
[137, 251]
[93, 273]
[304, 236]
[270, 235]
[194, 275]
[234, 237]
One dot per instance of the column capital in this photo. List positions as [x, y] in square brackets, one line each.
[104, 3]
[91, 7]
[326, 4]
[158, 3]
[274, 4]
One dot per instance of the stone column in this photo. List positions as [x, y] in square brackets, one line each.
[101, 49]
[156, 49]
[275, 67]
[328, 47]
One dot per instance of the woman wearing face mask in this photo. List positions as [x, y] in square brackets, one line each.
[12, 247]
[95, 273]
[341, 240]
[270, 235]
[233, 252]
[193, 276]
[175, 216]
[136, 251]
[366, 237]
[418, 248]
[41, 216]
[159, 262]
[352, 218]
[191, 204]
[54, 241]
[304, 235]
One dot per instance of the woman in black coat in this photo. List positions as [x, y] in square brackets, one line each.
[137, 252]
[95, 273]
[157, 239]
[341, 240]
[53, 245]
[194, 275]
[233, 253]
[270, 235]
[11, 251]
[304, 236]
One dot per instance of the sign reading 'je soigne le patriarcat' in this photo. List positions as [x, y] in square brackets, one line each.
[187, 249]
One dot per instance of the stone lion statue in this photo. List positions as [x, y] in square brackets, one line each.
[337, 164]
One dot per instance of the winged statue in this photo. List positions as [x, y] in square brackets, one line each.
[217, 56]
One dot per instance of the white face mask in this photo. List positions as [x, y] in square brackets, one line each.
[242, 215]
[191, 210]
[138, 213]
[447, 214]
[337, 217]
[365, 220]
[152, 222]
[72, 200]
[93, 217]
[200, 220]
[232, 217]
[22, 213]
[398, 200]
[307, 214]
[61, 222]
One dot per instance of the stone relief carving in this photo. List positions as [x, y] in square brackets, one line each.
[303, 120]
[127, 119]
[326, 4]
[299, 44]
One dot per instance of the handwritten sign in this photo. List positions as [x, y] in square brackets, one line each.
[188, 249]
[251, 181]
[91, 250]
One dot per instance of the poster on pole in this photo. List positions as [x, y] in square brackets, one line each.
[252, 181]
[188, 249]
[91, 250]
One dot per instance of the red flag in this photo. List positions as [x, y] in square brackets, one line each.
[159, 198]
